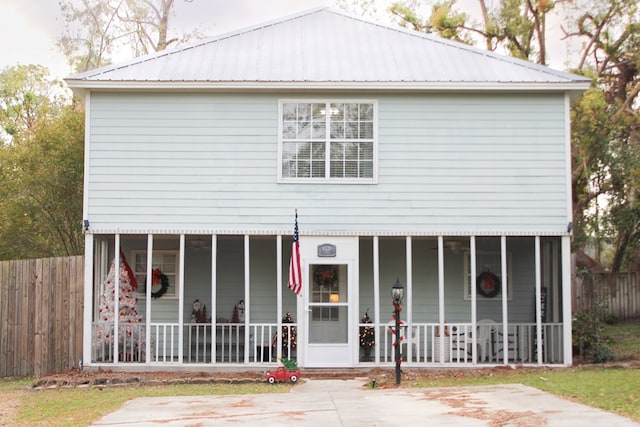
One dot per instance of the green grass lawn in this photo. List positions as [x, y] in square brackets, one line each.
[615, 389]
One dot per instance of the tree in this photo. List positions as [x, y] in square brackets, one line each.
[519, 26]
[41, 181]
[96, 28]
[28, 95]
[131, 339]
[91, 30]
[606, 143]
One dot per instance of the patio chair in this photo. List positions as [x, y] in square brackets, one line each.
[486, 330]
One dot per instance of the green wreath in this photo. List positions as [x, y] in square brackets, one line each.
[158, 278]
[488, 284]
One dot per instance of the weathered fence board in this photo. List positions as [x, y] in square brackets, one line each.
[41, 304]
[618, 295]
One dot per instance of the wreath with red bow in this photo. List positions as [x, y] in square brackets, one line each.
[488, 284]
[158, 279]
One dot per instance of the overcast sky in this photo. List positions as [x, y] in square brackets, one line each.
[29, 28]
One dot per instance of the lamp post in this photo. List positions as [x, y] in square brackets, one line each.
[397, 292]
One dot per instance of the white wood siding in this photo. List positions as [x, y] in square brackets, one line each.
[447, 163]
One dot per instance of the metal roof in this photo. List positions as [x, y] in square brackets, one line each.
[324, 48]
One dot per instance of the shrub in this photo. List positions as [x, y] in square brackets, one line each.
[589, 339]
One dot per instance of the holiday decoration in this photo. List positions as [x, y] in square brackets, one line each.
[199, 314]
[488, 284]
[238, 313]
[282, 373]
[367, 335]
[325, 276]
[130, 338]
[289, 339]
[159, 283]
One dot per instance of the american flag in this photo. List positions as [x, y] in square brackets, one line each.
[295, 271]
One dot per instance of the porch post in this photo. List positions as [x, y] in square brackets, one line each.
[89, 284]
[441, 318]
[538, 303]
[409, 302]
[376, 296]
[181, 302]
[247, 298]
[474, 295]
[505, 296]
[147, 298]
[116, 301]
[279, 297]
[214, 290]
[566, 299]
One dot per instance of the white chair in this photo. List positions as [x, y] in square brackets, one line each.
[414, 338]
[486, 329]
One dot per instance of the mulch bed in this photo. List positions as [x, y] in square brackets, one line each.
[385, 377]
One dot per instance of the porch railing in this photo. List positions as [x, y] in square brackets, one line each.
[131, 346]
[421, 343]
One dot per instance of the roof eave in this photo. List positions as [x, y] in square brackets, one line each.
[83, 85]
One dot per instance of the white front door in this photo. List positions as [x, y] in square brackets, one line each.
[328, 314]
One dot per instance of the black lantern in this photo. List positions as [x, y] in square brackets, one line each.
[397, 292]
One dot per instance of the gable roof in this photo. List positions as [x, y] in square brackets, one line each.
[327, 49]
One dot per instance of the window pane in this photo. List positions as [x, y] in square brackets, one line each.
[304, 130]
[304, 150]
[288, 169]
[366, 130]
[318, 169]
[351, 130]
[318, 150]
[304, 169]
[366, 169]
[366, 150]
[289, 112]
[337, 130]
[319, 130]
[304, 112]
[337, 151]
[289, 130]
[337, 112]
[319, 112]
[351, 112]
[337, 169]
[351, 169]
[366, 112]
[289, 150]
[351, 151]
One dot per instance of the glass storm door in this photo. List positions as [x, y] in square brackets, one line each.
[328, 316]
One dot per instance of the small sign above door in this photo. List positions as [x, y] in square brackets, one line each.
[326, 250]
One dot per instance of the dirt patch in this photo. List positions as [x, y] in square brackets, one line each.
[8, 409]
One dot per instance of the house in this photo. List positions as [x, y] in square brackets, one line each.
[407, 158]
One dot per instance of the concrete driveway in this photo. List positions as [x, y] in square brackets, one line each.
[330, 403]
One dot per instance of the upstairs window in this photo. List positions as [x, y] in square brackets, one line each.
[328, 141]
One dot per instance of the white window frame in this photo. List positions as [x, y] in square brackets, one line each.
[173, 277]
[327, 179]
[484, 259]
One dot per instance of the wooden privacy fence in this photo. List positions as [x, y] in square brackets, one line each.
[41, 306]
[618, 295]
